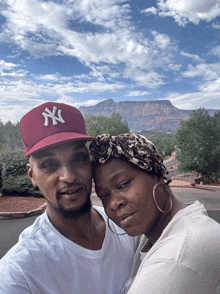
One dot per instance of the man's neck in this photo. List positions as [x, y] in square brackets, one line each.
[87, 230]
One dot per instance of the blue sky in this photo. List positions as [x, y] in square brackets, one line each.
[81, 52]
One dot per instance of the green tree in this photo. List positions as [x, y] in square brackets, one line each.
[198, 143]
[10, 137]
[164, 142]
[97, 125]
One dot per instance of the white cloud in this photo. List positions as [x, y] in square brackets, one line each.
[107, 13]
[211, 86]
[195, 100]
[207, 93]
[109, 38]
[151, 10]
[13, 74]
[209, 71]
[174, 67]
[52, 78]
[13, 109]
[184, 11]
[148, 79]
[14, 95]
[216, 26]
[216, 51]
[6, 65]
[137, 93]
[210, 79]
[162, 40]
[19, 89]
[9, 70]
[81, 87]
[23, 89]
[97, 74]
[90, 102]
[71, 101]
[194, 57]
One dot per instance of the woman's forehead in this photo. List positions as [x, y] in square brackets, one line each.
[114, 167]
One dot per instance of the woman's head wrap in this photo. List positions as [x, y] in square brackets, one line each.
[135, 148]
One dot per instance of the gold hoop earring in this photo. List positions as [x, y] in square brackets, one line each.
[155, 201]
[112, 230]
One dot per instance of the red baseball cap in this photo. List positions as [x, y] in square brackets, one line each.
[49, 124]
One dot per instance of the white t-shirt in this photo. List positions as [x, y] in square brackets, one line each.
[45, 262]
[184, 260]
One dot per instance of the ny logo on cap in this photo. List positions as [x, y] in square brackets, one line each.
[52, 115]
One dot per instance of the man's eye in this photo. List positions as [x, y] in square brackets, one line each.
[49, 165]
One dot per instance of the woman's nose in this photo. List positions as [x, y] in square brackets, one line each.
[68, 174]
[117, 201]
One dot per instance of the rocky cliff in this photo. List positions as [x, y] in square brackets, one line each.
[158, 115]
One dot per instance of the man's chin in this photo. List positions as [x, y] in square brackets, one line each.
[76, 213]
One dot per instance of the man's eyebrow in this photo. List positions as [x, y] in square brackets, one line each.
[42, 154]
[47, 153]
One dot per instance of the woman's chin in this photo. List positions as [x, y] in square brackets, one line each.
[132, 233]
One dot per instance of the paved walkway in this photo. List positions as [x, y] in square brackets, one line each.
[210, 198]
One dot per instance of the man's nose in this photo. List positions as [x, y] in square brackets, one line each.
[68, 174]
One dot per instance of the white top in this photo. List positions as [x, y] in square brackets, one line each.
[45, 262]
[184, 260]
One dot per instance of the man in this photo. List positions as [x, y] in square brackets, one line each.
[69, 248]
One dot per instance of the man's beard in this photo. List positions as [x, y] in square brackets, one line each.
[76, 213]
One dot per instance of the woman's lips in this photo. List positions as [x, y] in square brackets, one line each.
[124, 220]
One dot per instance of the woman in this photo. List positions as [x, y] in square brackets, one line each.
[180, 249]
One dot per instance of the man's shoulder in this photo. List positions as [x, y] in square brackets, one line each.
[35, 229]
[28, 241]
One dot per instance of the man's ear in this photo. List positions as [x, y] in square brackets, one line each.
[30, 174]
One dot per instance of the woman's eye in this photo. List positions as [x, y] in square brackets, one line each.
[124, 184]
[103, 197]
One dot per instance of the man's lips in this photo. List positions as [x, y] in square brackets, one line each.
[70, 190]
[125, 219]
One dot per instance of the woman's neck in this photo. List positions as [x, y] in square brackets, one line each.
[163, 221]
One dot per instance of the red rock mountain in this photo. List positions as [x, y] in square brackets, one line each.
[158, 115]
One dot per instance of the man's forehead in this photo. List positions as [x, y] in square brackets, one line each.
[52, 150]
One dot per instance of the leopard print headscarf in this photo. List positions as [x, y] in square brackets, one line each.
[135, 148]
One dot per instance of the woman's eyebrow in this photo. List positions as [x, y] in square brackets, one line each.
[113, 178]
[118, 175]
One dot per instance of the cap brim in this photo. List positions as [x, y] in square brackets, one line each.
[56, 139]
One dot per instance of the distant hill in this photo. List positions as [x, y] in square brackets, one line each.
[157, 116]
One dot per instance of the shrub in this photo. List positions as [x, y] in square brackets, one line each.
[14, 179]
